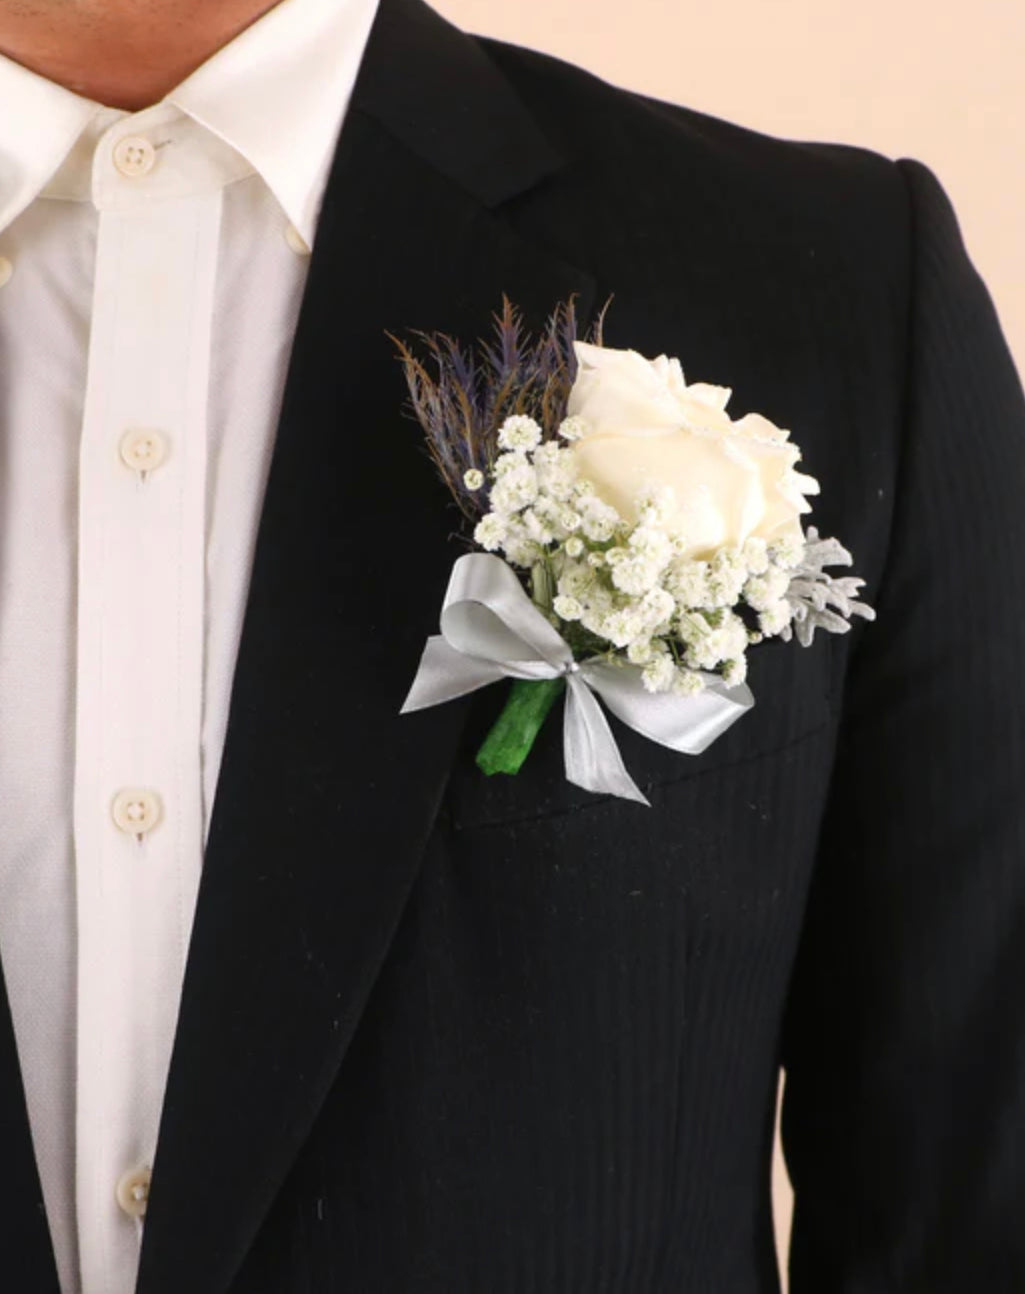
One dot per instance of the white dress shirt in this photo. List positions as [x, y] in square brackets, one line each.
[151, 270]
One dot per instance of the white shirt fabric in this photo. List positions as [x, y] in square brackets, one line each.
[151, 270]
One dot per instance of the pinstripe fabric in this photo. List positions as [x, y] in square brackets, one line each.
[564, 1077]
[904, 1116]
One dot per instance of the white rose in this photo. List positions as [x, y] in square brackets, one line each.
[648, 429]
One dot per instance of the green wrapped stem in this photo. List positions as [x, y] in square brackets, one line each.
[508, 743]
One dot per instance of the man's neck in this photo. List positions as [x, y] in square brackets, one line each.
[123, 53]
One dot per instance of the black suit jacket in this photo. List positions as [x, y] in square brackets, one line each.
[443, 1034]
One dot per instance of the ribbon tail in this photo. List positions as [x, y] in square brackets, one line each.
[592, 757]
[686, 724]
[445, 674]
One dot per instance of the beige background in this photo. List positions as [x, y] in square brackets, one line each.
[939, 82]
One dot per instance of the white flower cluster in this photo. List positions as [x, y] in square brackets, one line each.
[623, 589]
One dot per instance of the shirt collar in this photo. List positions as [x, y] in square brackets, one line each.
[277, 93]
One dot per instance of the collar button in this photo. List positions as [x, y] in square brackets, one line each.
[134, 156]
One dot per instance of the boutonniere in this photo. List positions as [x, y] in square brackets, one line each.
[633, 542]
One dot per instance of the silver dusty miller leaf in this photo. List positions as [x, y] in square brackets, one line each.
[819, 600]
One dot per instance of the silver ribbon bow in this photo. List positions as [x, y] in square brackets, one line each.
[490, 629]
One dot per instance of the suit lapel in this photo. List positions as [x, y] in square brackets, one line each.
[326, 794]
[26, 1255]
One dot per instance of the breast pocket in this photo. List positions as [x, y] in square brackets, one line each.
[792, 690]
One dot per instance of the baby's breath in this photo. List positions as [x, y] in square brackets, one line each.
[519, 432]
[567, 608]
[490, 532]
[658, 674]
[633, 591]
[688, 682]
[573, 428]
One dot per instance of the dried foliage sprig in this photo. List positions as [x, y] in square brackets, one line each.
[462, 405]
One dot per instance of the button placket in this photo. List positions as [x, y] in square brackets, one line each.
[140, 649]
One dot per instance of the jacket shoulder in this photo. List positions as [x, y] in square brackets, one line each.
[645, 153]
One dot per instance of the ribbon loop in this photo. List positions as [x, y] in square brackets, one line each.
[488, 614]
[490, 629]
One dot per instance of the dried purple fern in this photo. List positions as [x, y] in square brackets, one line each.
[462, 408]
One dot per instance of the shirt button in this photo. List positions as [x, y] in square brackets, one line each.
[143, 449]
[6, 270]
[133, 1191]
[134, 156]
[136, 810]
[296, 241]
